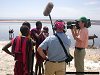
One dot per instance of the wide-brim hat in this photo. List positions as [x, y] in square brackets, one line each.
[83, 19]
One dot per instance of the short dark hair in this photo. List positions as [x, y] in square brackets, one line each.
[24, 30]
[26, 24]
[38, 23]
[46, 28]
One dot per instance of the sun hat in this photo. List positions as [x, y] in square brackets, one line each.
[83, 19]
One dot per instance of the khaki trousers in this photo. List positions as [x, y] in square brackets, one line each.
[79, 56]
[56, 68]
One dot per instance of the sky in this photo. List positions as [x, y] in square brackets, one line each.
[68, 9]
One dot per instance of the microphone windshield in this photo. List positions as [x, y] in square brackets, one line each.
[48, 9]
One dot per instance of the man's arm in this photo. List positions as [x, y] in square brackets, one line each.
[40, 50]
[75, 33]
[5, 48]
[34, 35]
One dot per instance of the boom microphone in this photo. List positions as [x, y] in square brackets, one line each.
[48, 9]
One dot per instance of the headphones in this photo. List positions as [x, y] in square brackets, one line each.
[59, 24]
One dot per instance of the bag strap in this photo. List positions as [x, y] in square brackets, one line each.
[62, 45]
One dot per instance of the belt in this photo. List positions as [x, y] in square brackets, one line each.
[79, 48]
[57, 61]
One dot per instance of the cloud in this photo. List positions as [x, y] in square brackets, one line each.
[92, 2]
[74, 13]
[66, 12]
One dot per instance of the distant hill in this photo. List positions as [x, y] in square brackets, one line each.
[93, 22]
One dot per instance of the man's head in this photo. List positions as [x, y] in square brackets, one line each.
[38, 25]
[26, 24]
[59, 25]
[83, 22]
[24, 30]
[45, 29]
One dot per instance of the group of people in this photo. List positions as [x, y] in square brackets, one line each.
[47, 48]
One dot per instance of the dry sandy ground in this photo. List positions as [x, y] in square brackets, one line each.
[92, 61]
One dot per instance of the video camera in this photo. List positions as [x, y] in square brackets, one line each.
[70, 24]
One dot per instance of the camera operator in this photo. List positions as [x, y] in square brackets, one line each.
[81, 37]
